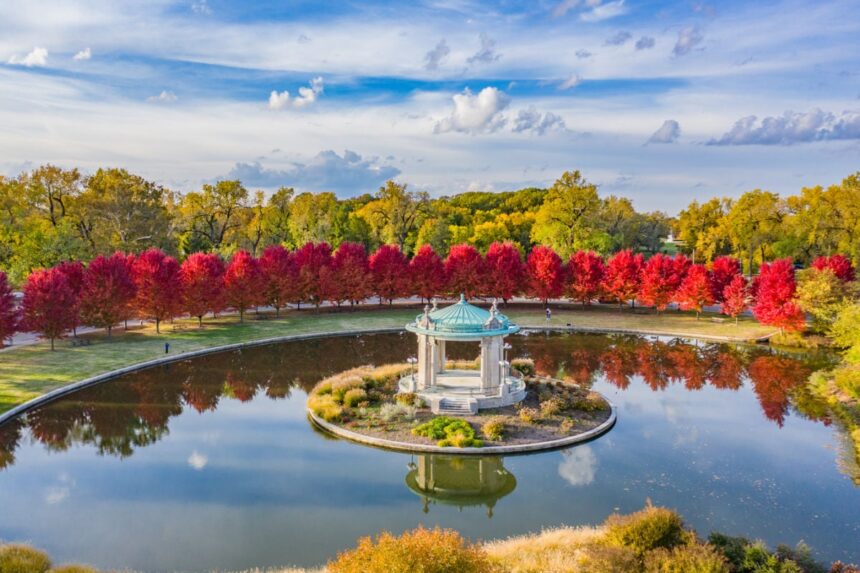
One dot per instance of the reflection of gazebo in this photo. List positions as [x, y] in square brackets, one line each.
[460, 481]
[463, 391]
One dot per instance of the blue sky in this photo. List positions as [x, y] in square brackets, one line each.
[663, 102]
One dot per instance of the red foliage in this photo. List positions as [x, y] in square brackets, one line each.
[243, 283]
[107, 292]
[504, 272]
[545, 273]
[723, 271]
[280, 277]
[464, 271]
[202, 276]
[9, 314]
[659, 282]
[727, 369]
[585, 272]
[619, 364]
[426, 273]
[695, 290]
[350, 274]
[775, 292]
[50, 305]
[736, 297]
[312, 263]
[158, 287]
[839, 264]
[622, 278]
[773, 377]
[390, 272]
[74, 271]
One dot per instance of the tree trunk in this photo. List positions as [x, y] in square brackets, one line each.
[52, 343]
[241, 315]
[109, 331]
[158, 326]
[200, 321]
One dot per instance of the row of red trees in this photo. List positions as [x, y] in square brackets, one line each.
[112, 289]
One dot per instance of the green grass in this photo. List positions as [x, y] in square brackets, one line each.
[29, 371]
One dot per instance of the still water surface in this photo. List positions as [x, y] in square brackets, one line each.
[211, 463]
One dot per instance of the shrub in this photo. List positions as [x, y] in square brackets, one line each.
[406, 398]
[744, 556]
[339, 388]
[325, 407]
[551, 407]
[694, 558]
[603, 559]
[16, 558]
[524, 366]
[353, 397]
[73, 569]
[590, 403]
[647, 529]
[566, 425]
[494, 429]
[425, 550]
[449, 431]
[529, 415]
[390, 412]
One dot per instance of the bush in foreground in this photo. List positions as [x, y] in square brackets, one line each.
[15, 558]
[449, 432]
[647, 529]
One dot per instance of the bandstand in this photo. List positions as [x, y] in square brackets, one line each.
[463, 392]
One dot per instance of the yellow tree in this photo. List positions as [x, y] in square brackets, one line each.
[568, 218]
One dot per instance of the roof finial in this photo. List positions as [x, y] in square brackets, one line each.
[495, 308]
[435, 303]
[462, 297]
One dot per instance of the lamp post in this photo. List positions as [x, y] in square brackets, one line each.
[506, 347]
[412, 361]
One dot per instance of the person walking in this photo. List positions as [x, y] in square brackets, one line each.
[548, 314]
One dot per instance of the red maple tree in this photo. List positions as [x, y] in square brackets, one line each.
[9, 314]
[74, 271]
[243, 283]
[202, 276]
[736, 297]
[658, 284]
[312, 264]
[350, 274]
[695, 290]
[585, 272]
[107, 292]
[464, 271]
[280, 277]
[775, 288]
[839, 264]
[390, 271]
[157, 285]
[50, 306]
[426, 273]
[622, 278]
[545, 274]
[723, 271]
[504, 272]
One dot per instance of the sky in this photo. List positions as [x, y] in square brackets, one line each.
[662, 102]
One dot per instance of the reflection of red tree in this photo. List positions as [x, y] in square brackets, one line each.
[240, 387]
[727, 368]
[52, 425]
[619, 364]
[584, 363]
[688, 366]
[772, 377]
[201, 396]
[654, 366]
[10, 435]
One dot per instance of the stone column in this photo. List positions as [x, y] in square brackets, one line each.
[491, 354]
[440, 356]
[426, 373]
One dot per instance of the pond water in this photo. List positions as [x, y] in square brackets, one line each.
[211, 463]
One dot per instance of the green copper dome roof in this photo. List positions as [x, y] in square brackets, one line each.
[462, 321]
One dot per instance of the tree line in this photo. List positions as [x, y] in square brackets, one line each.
[155, 286]
[50, 215]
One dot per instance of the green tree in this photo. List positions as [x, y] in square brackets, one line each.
[395, 214]
[568, 219]
[699, 227]
[822, 295]
[312, 217]
[754, 224]
[214, 216]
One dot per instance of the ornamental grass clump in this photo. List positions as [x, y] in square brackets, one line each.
[449, 432]
[354, 397]
[686, 559]
[524, 366]
[17, 558]
[647, 529]
[325, 407]
[529, 415]
[390, 412]
[552, 407]
[425, 550]
[494, 429]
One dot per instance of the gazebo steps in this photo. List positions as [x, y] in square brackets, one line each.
[457, 406]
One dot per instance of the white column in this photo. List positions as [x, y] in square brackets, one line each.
[491, 354]
[426, 372]
[440, 356]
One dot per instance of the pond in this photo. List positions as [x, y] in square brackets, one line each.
[211, 463]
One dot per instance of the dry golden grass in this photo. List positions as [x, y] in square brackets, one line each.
[558, 550]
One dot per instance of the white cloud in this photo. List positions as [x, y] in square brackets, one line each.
[437, 55]
[570, 82]
[536, 122]
[38, 57]
[668, 132]
[688, 38]
[487, 54]
[792, 127]
[164, 97]
[604, 11]
[307, 95]
[481, 113]
[84, 54]
[201, 7]
[579, 466]
[197, 460]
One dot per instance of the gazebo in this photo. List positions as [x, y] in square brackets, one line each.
[462, 392]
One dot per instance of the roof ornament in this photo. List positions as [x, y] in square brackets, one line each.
[462, 298]
[435, 303]
[495, 308]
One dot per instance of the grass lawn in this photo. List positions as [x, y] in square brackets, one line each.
[28, 371]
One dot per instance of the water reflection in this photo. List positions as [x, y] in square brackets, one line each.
[460, 481]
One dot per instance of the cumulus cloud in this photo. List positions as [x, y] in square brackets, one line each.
[605, 11]
[436, 56]
[579, 466]
[688, 38]
[487, 54]
[534, 121]
[307, 95]
[582, 54]
[619, 39]
[645, 43]
[201, 7]
[475, 113]
[346, 174]
[668, 132]
[571, 82]
[84, 54]
[197, 460]
[792, 127]
[164, 97]
[37, 57]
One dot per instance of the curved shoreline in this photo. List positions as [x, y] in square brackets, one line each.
[382, 443]
[106, 376]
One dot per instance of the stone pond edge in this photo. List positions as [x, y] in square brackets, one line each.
[104, 377]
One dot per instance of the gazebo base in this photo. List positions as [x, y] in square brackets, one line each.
[459, 393]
